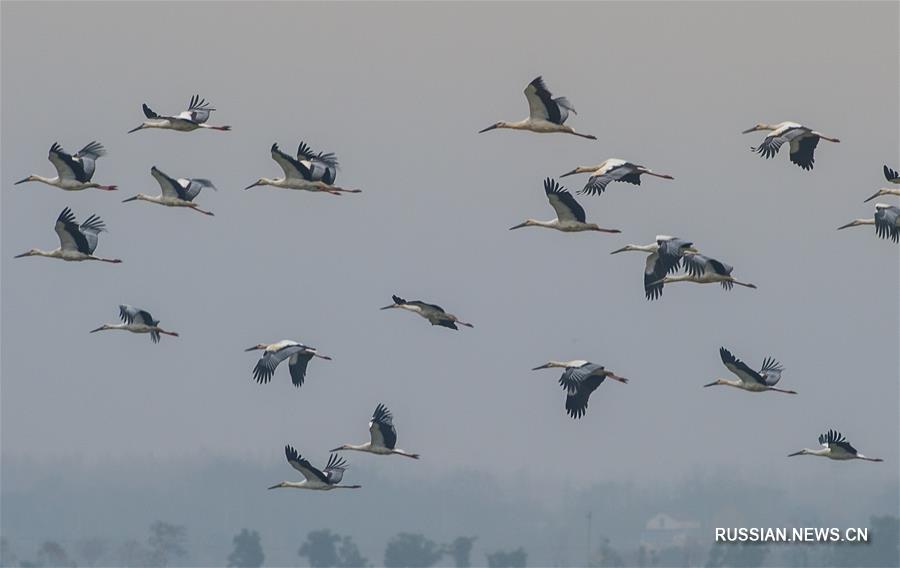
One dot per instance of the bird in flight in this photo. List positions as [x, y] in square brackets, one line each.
[136, 320]
[835, 447]
[191, 119]
[570, 216]
[314, 478]
[545, 113]
[73, 172]
[801, 140]
[382, 436]
[297, 354]
[749, 380]
[432, 312]
[579, 380]
[76, 242]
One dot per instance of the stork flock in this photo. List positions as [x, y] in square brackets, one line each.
[312, 171]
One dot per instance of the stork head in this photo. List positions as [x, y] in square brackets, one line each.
[802, 452]
[499, 124]
[525, 223]
[143, 125]
[339, 448]
[716, 382]
[279, 485]
[550, 365]
[757, 126]
[135, 198]
[32, 252]
[103, 327]
[257, 347]
[29, 178]
[580, 170]
[879, 193]
[260, 181]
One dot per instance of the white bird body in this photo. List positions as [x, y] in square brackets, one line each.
[836, 447]
[435, 314]
[382, 436]
[702, 269]
[297, 354]
[136, 320]
[570, 215]
[749, 380]
[579, 380]
[664, 257]
[76, 242]
[175, 192]
[801, 140]
[73, 172]
[886, 221]
[186, 121]
[610, 170]
[545, 114]
[309, 174]
[314, 478]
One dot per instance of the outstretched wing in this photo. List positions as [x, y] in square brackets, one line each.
[739, 368]
[67, 166]
[304, 152]
[573, 377]
[891, 175]
[834, 439]
[577, 401]
[567, 209]
[270, 360]
[334, 471]
[302, 465]
[297, 366]
[88, 157]
[169, 185]
[381, 428]
[803, 150]
[887, 223]
[198, 110]
[771, 371]
[542, 105]
[293, 168]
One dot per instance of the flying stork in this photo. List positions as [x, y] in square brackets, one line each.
[73, 173]
[136, 320]
[886, 221]
[803, 141]
[749, 380]
[664, 258]
[297, 354]
[836, 447]
[175, 192]
[308, 171]
[702, 269]
[609, 170]
[317, 479]
[893, 177]
[579, 380]
[191, 119]
[76, 242]
[545, 113]
[382, 436]
[570, 217]
[432, 312]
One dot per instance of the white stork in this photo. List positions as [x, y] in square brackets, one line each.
[191, 119]
[664, 258]
[175, 192]
[432, 312]
[308, 172]
[836, 447]
[297, 354]
[73, 173]
[893, 177]
[749, 380]
[136, 320]
[579, 380]
[702, 269]
[886, 221]
[609, 170]
[317, 479]
[803, 141]
[382, 436]
[570, 217]
[76, 242]
[545, 113]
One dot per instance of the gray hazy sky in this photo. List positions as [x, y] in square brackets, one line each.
[399, 92]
